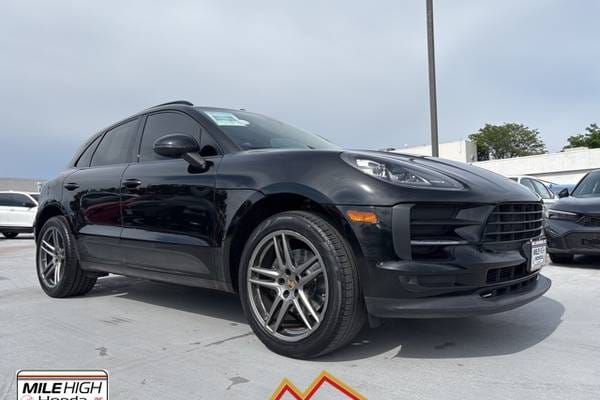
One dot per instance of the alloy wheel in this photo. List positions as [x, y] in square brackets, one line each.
[51, 257]
[287, 285]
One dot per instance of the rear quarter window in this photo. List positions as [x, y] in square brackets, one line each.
[86, 157]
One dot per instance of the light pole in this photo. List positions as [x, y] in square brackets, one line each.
[435, 152]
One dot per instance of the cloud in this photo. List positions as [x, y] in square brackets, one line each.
[355, 72]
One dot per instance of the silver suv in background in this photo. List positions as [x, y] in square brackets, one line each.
[537, 187]
[17, 212]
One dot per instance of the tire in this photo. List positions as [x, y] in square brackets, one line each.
[561, 258]
[10, 235]
[72, 280]
[342, 310]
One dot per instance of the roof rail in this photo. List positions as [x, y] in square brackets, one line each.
[182, 102]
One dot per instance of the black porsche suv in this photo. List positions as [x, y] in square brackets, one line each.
[314, 239]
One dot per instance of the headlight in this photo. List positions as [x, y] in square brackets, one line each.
[564, 215]
[401, 172]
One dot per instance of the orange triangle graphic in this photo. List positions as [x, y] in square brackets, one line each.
[287, 387]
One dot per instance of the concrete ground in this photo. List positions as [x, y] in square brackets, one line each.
[162, 341]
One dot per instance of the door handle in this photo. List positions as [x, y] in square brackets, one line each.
[71, 186]
[131, 183]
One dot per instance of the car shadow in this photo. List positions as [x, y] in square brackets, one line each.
[500, 334]
[493, 335]
[20, 237]
[585, 262]
[212, 303]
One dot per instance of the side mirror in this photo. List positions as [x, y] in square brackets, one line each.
[179, 145]
[563, 193]
[28, 204]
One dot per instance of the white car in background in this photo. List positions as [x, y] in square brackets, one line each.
[17, 212]
[538, 187]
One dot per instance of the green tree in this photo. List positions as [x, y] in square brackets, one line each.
[507, 141]
[591, 139]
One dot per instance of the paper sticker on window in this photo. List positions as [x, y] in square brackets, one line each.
[222, 118]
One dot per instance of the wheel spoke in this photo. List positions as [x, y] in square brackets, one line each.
[280, 315]
[280, 262]
[266, 272]
[57, 273]
[48, 249]
[268, 284]
[276, 302]
[311, 276]
[49, 269]
[301, 313]
[303, 267]
[308, 306]
[287, 254]
[55, 238]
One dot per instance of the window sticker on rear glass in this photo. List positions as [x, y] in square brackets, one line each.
[222, 118]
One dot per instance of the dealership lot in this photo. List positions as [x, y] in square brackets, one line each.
[165, 341]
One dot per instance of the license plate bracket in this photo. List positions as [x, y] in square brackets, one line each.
[538, 254]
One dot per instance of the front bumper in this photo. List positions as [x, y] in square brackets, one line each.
[462, 278]
[568, 237]
[461, 305]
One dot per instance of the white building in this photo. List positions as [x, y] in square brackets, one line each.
[568, 166]
[461, 150]
[21, 184]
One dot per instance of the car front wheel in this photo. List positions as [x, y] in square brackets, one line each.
[10, 235]
[58, 267]
[299, 286]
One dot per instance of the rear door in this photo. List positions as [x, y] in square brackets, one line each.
[93, 195]
[169, 213]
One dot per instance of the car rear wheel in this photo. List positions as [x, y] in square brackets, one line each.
[10, 235]
[58, 268]
[561, 258]
[299, 286]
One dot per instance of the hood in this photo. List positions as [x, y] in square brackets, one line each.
[475, 179]
[579, 205]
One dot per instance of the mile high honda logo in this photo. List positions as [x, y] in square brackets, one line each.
[62, 385]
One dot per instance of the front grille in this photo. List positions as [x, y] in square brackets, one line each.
[504, 290]
[499, 275]
[588, 241]
[590, 221]
[512, 222]
[434, 227]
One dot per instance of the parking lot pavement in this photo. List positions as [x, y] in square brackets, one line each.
[162, 341]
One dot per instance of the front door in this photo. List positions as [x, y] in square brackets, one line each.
[169, 215]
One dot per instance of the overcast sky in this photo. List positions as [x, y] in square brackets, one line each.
[354, 72]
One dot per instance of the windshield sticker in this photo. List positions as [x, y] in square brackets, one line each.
[226, 118]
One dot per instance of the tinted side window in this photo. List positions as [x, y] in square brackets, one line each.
[541, 190]
[20, 199]
[527, 183]
[13, 200]
[158, 125]
[5, 200]
[86, 157]
[117, 144]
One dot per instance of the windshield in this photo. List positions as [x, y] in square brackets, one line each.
[589, 186]
[255, 131]
[36, 197]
